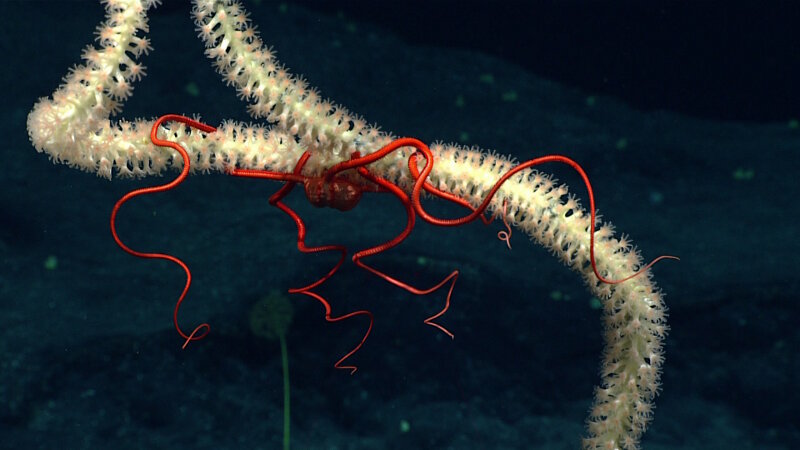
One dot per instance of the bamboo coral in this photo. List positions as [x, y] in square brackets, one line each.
[74, 127]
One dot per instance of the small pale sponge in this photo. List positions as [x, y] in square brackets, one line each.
[271, 316]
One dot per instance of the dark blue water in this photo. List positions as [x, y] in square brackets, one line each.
[687, 128]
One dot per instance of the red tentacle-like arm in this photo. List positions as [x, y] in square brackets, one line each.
[333, 190]
[201, 330]
[277, 200]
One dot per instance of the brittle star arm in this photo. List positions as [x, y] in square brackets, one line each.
[277, 200]
[410, 214]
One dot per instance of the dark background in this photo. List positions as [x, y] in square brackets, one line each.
[688, 142]
[742, 57]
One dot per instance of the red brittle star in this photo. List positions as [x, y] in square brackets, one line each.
[334, 190]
